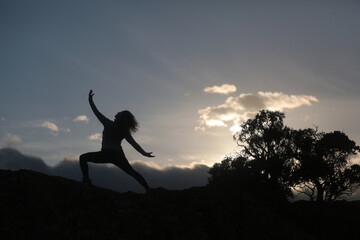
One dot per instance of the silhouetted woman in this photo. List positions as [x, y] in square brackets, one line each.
[111, 151]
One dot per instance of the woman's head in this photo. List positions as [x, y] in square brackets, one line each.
[127, 121]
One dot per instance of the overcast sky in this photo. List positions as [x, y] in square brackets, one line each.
[190, 72]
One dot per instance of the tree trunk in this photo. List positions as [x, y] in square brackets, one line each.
[320, 191]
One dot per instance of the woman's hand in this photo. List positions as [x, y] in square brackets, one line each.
[149, 154]
[91, 94]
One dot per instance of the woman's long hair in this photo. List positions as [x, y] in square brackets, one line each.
[127, 121]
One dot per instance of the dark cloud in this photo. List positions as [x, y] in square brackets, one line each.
[108, 176]
[250, 101]
[14, 160]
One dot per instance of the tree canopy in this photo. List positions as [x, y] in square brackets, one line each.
[323, 168]
[275, 158]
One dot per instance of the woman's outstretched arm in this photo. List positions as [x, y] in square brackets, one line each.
[135, 145]
[97, 113]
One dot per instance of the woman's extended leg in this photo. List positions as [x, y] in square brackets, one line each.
[127, 168]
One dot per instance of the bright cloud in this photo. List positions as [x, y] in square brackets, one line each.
[95, 136]
[223, 89]
[81, 118]
[54, 129]
[238, 109]
[52, 126]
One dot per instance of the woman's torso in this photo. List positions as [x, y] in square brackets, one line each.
[112, 137]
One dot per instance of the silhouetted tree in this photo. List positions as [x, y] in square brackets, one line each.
[264, 163]
[323, 164]
[266, 142]
[274, 158]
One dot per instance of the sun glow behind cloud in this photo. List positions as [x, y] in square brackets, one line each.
[238, 109]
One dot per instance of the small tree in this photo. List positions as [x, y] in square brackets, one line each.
[232, 174]
[323, 168]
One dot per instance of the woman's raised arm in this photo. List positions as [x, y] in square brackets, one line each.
[97, 113]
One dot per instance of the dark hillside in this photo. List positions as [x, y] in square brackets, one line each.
[38, 206]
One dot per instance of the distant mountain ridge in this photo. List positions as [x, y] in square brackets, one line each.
[107, 176]
[38, 206]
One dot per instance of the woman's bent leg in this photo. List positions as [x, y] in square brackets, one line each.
[95, 157]
[84, 166]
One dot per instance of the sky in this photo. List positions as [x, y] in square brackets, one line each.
[190, 71]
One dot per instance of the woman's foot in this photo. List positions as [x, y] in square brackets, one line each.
[86, 181]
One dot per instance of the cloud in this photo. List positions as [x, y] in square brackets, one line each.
[81, 118]
[95, 136]
[223, 89]
[109, 176]
[52, 126]
[66, 129]
[12, 140]
[54, 129]
[238, 109]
